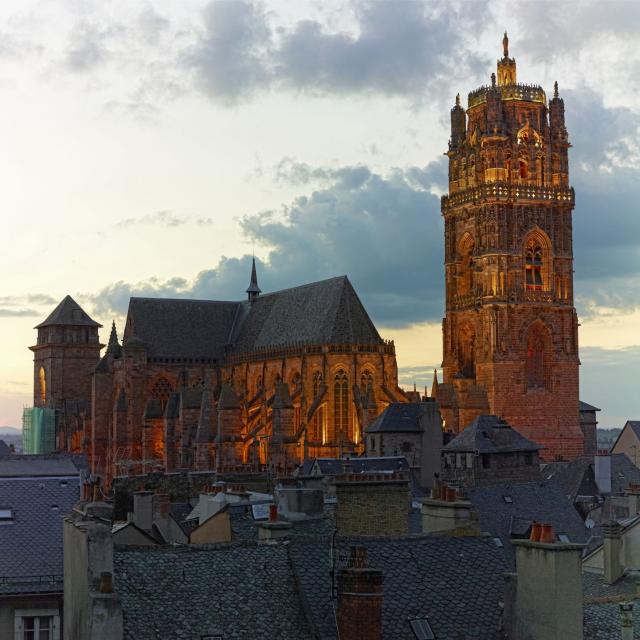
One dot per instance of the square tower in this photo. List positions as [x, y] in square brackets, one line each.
[511, 331]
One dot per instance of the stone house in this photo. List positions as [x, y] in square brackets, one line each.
[35, 493]
[488, 452]
[412, 430]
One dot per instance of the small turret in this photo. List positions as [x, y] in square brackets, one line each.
[253, 290]
[506, 66]
[113, 348]
[556, 115]
[458, 124]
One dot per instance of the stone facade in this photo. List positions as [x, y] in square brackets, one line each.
[230, 386]
[489, 452]
[372, 505]
[510, 334]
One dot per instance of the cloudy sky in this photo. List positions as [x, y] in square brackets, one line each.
[151, 147]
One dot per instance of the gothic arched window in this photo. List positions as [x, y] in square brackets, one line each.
[161, 390]
[465, 280]
[533, 257]
[341, 404]
[366, 381]
[42, 377]
[318, 422]
[467, 352]
[523, 170]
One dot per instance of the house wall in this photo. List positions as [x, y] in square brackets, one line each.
[216, 529]
[628, 443]
[9, 605]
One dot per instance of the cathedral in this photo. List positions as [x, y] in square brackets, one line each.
[281, 377]
[510, 333]
[203, 384]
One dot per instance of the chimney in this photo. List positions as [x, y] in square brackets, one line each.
[359, 599]
[612, 549]
[602, 470]
[633, 498]
[447, 510]
[372, 504]
[543, 600]
[626, 620]
[143, 510]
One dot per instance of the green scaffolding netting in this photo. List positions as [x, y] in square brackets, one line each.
[38, 430]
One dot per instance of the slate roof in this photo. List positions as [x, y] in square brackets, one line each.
[399, 417]
[576, 477]
[68, 313]
[237, 591]
[16, 466]
[489, 434]
[324, 312]
[623, 472]
[531, 501]
[457, 582]
[172, 328]
[602, 619]
[584, 406]
[4, 448]
[31, 549]
[336, 466]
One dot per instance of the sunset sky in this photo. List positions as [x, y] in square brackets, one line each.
[151, 147]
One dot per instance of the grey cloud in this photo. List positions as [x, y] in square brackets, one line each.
[384, 232]
[30, 298]
[398, 50]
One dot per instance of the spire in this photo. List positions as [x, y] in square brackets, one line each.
[434, 384]
[457, 99]
[113, 348]
[253, 290]
[555, 89]
[506, 66]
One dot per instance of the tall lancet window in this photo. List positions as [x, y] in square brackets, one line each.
[533, 266]
[341, 404]
[42, 377]
[318, 422]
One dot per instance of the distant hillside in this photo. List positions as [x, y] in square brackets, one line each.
[10, 431]
[606, 437]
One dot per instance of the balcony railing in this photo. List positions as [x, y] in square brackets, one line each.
[527, 92]
[507, 192]
[468, 300]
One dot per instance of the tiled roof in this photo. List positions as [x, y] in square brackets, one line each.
[237, 591]
[21, 466]
[399, 417]
[623, 472]
[525, 502]
[602, 618]
[68, 313]
[181, 328]
[338, 466]
[324, 312]
[584, 406]
[576, 477]
[489, 434]
[457, 582]
[32, 542]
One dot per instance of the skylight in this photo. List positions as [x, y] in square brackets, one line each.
[508, 499]
[6, 514]
[422, 629]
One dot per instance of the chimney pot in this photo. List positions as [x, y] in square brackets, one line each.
[106, 582]
[547, 534]
[273, 512]
[536, 530]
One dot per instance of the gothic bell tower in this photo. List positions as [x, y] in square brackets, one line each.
[511, 331]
